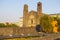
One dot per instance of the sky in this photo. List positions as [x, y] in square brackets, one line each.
[12, 10]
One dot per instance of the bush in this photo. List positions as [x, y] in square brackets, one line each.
[2, 25]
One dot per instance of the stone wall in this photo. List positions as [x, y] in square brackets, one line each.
[18, 30]
[6, 31]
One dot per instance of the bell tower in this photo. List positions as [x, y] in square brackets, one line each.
[39, 11]
[39, 8]
[25, 15]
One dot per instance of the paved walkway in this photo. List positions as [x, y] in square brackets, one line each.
[48, 37]
[42, 36]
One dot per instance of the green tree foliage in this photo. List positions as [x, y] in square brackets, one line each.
[7, 25]
[14, 25]
[11, 25]
[2, 25]
[45, 22]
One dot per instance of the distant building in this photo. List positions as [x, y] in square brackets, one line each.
[20, 22]
[55, 15]
[31, 19]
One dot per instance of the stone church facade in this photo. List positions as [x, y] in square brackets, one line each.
[31, 19]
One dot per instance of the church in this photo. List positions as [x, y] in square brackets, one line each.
[31, 19]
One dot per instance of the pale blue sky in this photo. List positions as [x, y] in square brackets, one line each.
[12, 10]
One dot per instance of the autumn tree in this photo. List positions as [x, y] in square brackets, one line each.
[45, 22]
[58, 20]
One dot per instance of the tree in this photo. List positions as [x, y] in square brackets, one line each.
[2, 25]
[11, 25]
[58, 20]
[14, 25]
[45, 22]
[8, 24]
[55, 27]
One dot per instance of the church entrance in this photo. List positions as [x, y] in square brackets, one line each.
[38, 28]
[32, 21]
